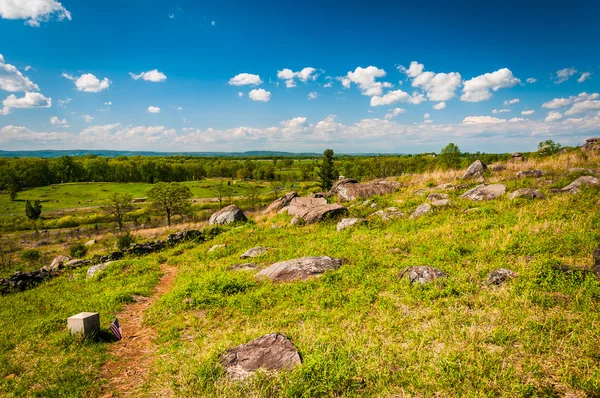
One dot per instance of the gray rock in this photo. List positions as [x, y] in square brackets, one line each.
[58, 262]
[281, 203]
[576, 185]
[272, 352]
[216, 247]
[526, 193]
[90, 242]
[437, 196]
[421, 210]
[242, 267]
[485, 192]
[300, 268]
[76, 263]
[517, 157]
[312, 210]
[387, 214]
[499, 276]
[96, 269]
[592, 144]
[440, 203]
[475, 170]
[348, 222]
[530, 173]
[254, 252]
[498, 167]
[227, 215]
[349, 189]
[422, 274]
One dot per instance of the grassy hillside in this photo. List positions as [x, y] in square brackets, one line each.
[361, 331]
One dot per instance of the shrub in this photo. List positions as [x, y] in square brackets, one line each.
[78, 250]
[125, 240]
[31, 256]
[67, 222]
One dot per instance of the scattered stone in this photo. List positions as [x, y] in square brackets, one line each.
[76, 263]
[227, 215]
[242, 267]
[530, 173]
[312, 210]
[272, 352]
[387, 214]
[349, 189]
[139, 200]
[90, 242]
[300, 268]
[592, 144]
[526, 193]
[517, 157]
[95, 269]
[254, 252]
[437, 196]
[281, 203]
[564, 150]
[84, 323]
[497, 167]
[216, 247]
[58, 263]
[422, 274]
[441, 203]
[485, 192]
[475, 170]
[421, 210]
[445, 187]
[499, 276]
[348, 222]
[576, 185]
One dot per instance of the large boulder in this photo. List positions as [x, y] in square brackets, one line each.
[312, 210]
[227, 215]
[475, 170]
[526, 193]
[300, 268]
[421, 210]
[349, 189]
[499, 276]
[485, 192]
[254, 252]
[592, 144]
[271, 352]
[96, 269]
[58, 263]
[348, 222]
[422, 274]
[517, 157]
[530, 173]
[281, 203]
[576, 185]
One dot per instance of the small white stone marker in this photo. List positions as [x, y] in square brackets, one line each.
[85, 323]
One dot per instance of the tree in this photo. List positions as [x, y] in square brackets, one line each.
[170, 199]
[252, 193]
[549, 147]
[118, 204]
[327, 173]
[220, 190]
[450, 156]
[33, 212]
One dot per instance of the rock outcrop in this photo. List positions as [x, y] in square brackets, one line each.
[485, 192]
[576, 185]
[349, 189]
[300, 269]
[422, 274]
[387, 214]
[526, 193]
[58, 263]
[226, 215]
[272, 352]
[96, 269]
[312, 210]
[475, 170]
[499, 276]
[281, 203]
[421, 210]
[255, 252]
[530, 173]
[592, 144]
[517, 157]
[348, 222]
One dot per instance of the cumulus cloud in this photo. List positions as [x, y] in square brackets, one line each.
[65, 102]
[584, 76]
[564, 74]
[414, 70]
[116, 133]
[245, 79]
[531, 80]
[583, 106]
[11, 135]
[30, 100]
[439, 106]
[240, 94]
[397, 96]
[394, 112]
[151, 76]
[87, 118]
[437, 86]
[526, 113]
[153, 109]
[495, 111]
[470, 120]
[12, 80]
[427, 116]
[260, 95]
[313, 95]
[58, 122]
[289, 76]
[478, 88]
[553, 116]
[561, 102]
[33, 11]
[88, 82]
[511, 102]
[364, 78]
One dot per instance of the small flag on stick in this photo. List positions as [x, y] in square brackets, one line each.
[115, 328]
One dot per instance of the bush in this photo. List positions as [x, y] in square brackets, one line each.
[78, 250]
[31, 256]
[125, 240]
[67, 222]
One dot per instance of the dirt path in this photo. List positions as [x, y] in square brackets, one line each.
[133, 355]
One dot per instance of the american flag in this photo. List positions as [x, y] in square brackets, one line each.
[115, 328]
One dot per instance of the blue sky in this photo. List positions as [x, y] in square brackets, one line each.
[376, 76]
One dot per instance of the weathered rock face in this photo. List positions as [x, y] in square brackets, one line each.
[526, 193]
[349, 189]
[242, 267]
[255, 252]
[271, 352]
[530, 173]
[300, 268]
[281, 203]
[422, 274]
[499, 276]
[387, 214]
[421, 210]
[312, 210]
[96, 269]
[227, 215]
[592, 144]
[475, 170]
[485, 192]
[58, 263]
[517, 157]
[576, 185]
[437, 196]
[348, 222]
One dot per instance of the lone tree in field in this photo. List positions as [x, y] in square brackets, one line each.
[450, 156]
[118, 204]
[549, 147]
[327, 173]
[170, 199]
[34, 211]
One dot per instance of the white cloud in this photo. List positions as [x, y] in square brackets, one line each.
[240, 94]
[289, 76]
[87, 118]
[88, 82]
[526, 113]
[437, 86]
[439, 106]
[584, 106]
[482, 120]
[30, 100]
[245, 79]
[260, 95]
[397, 96]
[478, 88]
[495, 111]
[179, 108]
[65, 102]
[313, 95]
[27, 68]
[171, 16]
[393, 113]
[553, 116]
[564, 74]
[427, 116]
[58, 122]
[213, 23]
[511, 102]
[584, 76]
[414, 70]
[19, 134]
[328, 85]
[151, 76]
[560, 102]
[531, 80]
[132, 135]
[365, 79]
[33, 11]
[109, 103]
[153, 109]
[12, 80]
